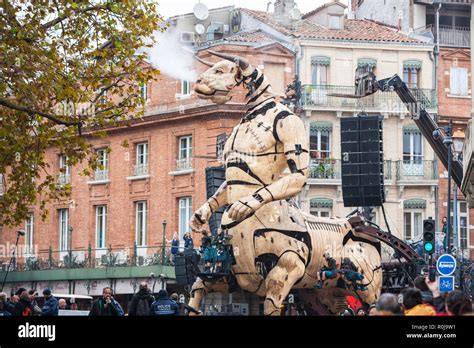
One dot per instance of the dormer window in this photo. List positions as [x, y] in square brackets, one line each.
[334, 22]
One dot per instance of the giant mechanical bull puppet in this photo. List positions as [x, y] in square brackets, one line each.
[276, 246]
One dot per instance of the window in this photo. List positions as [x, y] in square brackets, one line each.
[322, 212]
[141, 162]
[413, 222]
[101, 172]
[411, 76]
[319, 79]
[29, 236]
[334, 22]
[319, 75]
[462, 225]
[64, 172]
[458, 84]
[63, 229]
[100, 226]
[412, 146]
[185, 152]
[185, 212]
[320, 141]
[321, 207]
[141, 223]
[144, 92]
[185, 88]
[412, 152]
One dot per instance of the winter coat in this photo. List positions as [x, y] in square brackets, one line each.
[99, 309]
[141, 303]
[50, 307]
[164, 307]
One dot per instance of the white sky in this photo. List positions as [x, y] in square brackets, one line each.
[168, 8]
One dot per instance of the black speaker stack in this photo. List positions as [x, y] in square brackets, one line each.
[215, 176]
[362, 161]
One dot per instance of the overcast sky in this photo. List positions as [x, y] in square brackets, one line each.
[169, 8]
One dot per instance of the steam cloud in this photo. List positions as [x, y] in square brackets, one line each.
[169, 56]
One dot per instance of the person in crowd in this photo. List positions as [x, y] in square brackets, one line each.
[141, 302]
[188, 242]
[386, 305]
[33, 294]
[207, 251]
[106, 305]
[220, 252]
[51, 304]
[426, 294]
[458, 303]
[183, 307]
[372, 310]
[174, 247]
[11, 304]
[327, 272]
[74, 306]
[164, 306]
[62, 303]
[7, 305]
[413, 303]
[23, 308]
[3, 310]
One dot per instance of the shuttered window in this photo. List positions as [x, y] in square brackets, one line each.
[458, 81]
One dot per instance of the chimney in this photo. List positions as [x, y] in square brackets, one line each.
[282, 8]
[354, 5]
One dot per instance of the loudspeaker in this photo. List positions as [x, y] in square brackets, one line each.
[184, 269]
[362, 161]
[215, 176]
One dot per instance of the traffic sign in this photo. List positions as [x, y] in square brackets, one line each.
[446, 283]
[446, 264]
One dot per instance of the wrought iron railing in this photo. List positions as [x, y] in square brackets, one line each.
[417, 170]
[140, 169]
[64, 179]
[91, 258]
[454, 36]
[184, 164]
[325, 169]
[320, 97]
[101, 175]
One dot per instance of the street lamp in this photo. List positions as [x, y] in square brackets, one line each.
[18, 234]
[70, 246]
[458, 143]
[164, 242]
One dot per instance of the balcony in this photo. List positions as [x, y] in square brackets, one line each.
[417, 172]
[64, 179]
[444, 2]
[328, 172]
[101, 175]
[140, 169]
[454, 36]
[316, 97]
[88, 263]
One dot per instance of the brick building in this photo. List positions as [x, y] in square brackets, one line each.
[447, 24]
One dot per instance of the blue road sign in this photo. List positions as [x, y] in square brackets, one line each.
[446, 264]
[446, 283]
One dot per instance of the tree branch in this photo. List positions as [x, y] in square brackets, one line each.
[7, 103]
[75, 12]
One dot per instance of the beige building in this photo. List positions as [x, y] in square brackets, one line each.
[328, 63]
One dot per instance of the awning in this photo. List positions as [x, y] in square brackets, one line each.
[320, 60]
[370, 62]
[414, 203]
[320, 127]
[412, 64]
[321, 203]
[411, 128]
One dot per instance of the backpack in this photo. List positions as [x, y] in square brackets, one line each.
[143, 307]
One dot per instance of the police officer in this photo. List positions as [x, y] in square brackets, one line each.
[164, 306]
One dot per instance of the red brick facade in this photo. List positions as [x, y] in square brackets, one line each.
[162, 189]
[455, 108]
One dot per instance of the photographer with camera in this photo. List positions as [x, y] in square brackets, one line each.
[106, 305]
